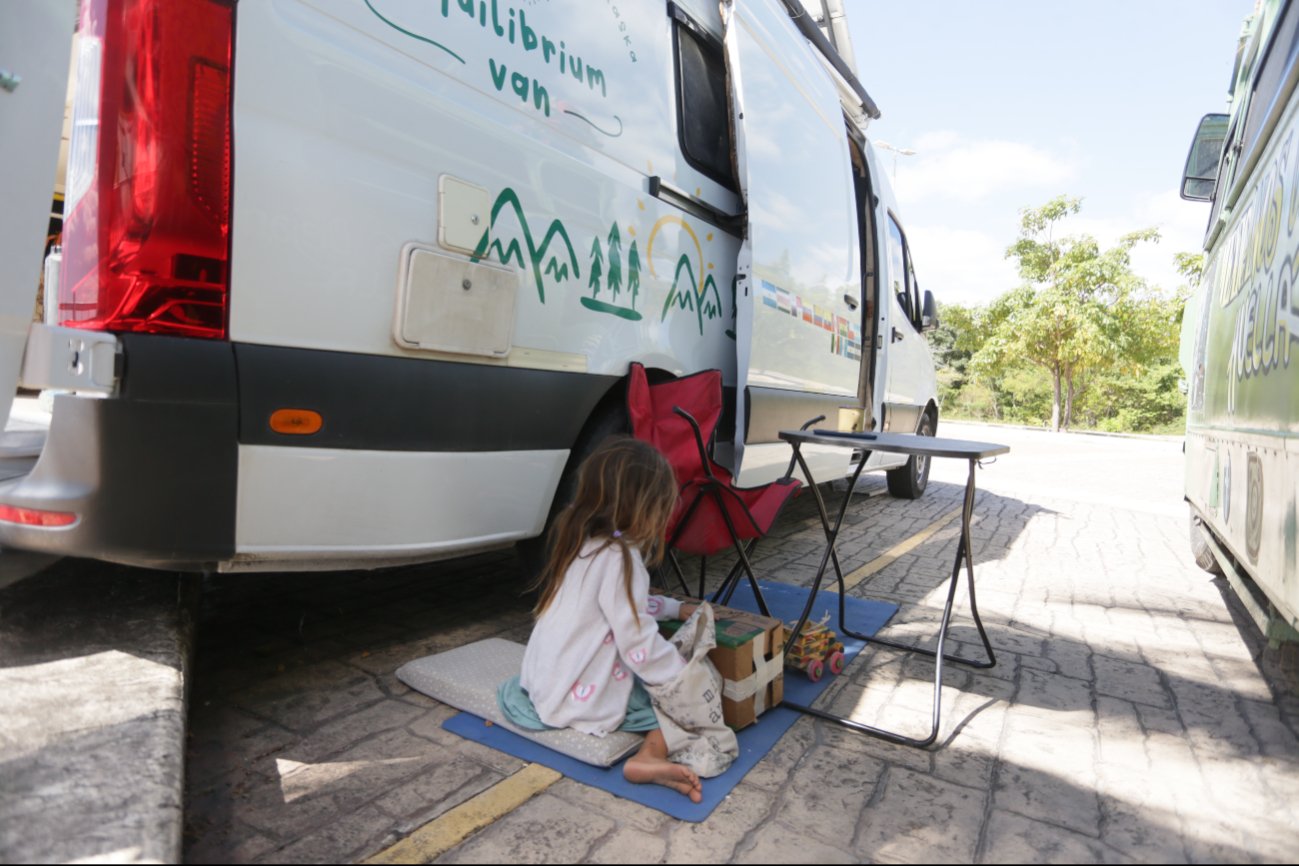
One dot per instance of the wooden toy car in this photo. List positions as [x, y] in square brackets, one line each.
[815, 649]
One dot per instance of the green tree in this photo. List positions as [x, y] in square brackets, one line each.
[953, 344]
[1191, 266]
[615, 261]
[597, 268]
[1140, 392]
[633, 273]
[1074, 314]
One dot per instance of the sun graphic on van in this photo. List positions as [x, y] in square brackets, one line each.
[693, 288]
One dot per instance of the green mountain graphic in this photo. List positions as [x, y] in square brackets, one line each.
[531, 259]
[707, 306]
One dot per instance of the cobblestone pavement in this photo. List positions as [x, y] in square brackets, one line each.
[1133, 714]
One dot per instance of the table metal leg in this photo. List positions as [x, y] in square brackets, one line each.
[831, 534]
[964, 554]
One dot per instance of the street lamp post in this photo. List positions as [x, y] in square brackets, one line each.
[904, 151]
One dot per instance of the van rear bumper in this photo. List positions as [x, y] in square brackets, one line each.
[150, 474]
[178, 467]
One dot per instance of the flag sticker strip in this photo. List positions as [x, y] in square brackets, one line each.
[845, 334]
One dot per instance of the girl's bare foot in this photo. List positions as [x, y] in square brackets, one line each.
[643, 769]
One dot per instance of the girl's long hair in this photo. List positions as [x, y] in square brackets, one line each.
[626, 487]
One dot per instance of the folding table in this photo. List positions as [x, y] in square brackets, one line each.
[926, 447]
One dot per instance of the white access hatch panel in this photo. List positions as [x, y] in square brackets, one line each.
[447, 304]
[462, 214]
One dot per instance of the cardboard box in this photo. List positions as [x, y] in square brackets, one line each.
[750, 657]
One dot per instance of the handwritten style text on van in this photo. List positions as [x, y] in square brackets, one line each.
[513, 27]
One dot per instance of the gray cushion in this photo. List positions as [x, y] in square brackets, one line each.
[467, 677]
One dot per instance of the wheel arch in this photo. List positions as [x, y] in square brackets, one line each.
[931, 409]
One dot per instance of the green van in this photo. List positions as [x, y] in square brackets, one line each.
[1242, 325]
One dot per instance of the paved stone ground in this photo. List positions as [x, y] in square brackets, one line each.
[1133, 715]
[92, 714]
[92, 696]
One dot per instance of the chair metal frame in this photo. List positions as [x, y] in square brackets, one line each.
[717, 487]
[712, 486]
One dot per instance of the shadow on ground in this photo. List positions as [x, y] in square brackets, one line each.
[304, 747]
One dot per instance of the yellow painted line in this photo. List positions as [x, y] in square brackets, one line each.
[451, 828]
[897, 551]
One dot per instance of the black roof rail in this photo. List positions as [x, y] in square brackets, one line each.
[803, 20]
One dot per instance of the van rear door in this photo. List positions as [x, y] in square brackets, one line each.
[35, 43]
[798, 293]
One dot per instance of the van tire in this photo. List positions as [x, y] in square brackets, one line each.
[608, 419]
[910, 481]
[1200, 548]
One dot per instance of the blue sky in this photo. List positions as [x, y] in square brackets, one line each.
[1010, 103]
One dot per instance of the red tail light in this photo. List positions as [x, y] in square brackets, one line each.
[146, 240]
[36, 517]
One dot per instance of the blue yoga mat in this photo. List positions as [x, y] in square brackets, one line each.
[786, 603]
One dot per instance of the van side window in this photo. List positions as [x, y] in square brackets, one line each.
[703, 117]
[1226, 170]
[902, 278]
[1268, 96]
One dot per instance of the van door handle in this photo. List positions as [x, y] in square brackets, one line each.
[897, 335]
[851, 301]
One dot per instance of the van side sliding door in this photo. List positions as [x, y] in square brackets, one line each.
[798, 293]
[35, 43]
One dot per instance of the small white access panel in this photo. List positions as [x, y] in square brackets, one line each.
[448, 304]
[462, 214]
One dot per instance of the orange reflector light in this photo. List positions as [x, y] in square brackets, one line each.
[36, 517]
[296, 422]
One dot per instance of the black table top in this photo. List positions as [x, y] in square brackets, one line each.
[898, 443]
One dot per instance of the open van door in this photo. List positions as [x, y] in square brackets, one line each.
[35, 43]
[798, 290]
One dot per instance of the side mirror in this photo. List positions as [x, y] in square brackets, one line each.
[1201, 175]
[929, 313]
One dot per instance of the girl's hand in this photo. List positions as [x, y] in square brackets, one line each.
[688, 610]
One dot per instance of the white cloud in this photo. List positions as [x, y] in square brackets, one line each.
[963, 198]
[943, 139]
[961, 266]
[958, 169]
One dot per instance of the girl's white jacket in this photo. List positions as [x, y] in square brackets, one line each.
[590, 643]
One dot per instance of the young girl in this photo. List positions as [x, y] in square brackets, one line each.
[595, 638]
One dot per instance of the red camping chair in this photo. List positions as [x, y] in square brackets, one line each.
[679, 417]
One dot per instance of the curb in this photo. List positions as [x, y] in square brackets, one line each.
[1144, 437]
[95, 664]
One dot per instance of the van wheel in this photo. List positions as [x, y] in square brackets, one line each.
[1200, 547]
[910, 481]
[610, 419]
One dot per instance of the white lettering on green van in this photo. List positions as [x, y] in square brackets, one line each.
[1247, 274]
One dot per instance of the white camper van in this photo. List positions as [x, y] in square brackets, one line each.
[357, 282]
